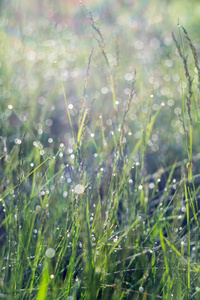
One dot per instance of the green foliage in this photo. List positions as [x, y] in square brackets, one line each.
[99, 174]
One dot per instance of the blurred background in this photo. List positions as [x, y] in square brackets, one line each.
[45, 42]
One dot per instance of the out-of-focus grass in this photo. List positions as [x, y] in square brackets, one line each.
[99, 178]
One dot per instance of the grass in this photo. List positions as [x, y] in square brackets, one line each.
[99, 196]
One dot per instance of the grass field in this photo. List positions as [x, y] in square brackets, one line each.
[99, 150]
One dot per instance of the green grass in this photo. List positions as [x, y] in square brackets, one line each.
[99, 167]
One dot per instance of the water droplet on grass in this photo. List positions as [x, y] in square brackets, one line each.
[79, 189]
[183, 208]
[151, 185]
[115, 239]
[70, 106]
[50, 140]
[104, 90]
[50, 252]
[65, 193]
[17, 141]
[141, 289]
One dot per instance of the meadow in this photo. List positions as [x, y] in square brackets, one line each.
[99, 150]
